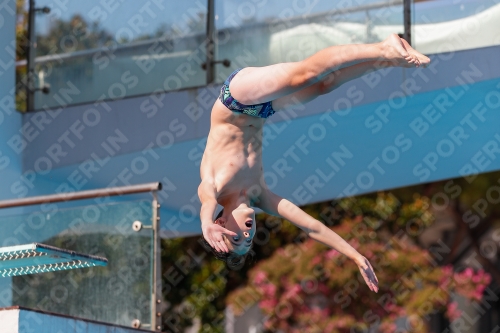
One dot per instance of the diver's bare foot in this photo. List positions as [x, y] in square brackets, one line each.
[393, 50]
[424, 60]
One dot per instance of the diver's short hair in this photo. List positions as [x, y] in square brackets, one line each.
[233, 261]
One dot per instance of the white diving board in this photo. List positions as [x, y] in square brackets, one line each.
[37, 258]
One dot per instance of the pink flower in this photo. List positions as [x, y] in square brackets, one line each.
[269, 290]
[293, 291]
[452, 311]
[477, 296]
[268, 324]
[309, 286]
[477, 293]
[341, 322]
[332, 254]
[323, 289]
[480, 288]
[444, 282]
[268, 304]
[401, 311]
[464, 277]
[447, 270]
[260, 277]
[316, 260]
[388, 327]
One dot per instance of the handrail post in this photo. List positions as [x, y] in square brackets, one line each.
[210, 50]
[156, 298]
[30, 84]
[407, 20]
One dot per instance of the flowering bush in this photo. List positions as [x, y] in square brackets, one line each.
[310, 287]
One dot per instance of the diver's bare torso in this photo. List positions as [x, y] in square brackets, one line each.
[232, 160]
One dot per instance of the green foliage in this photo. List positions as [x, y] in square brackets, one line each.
[310, 287]
[73, 35]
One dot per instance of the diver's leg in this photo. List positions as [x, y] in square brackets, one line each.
[329, 83]
[254, 85]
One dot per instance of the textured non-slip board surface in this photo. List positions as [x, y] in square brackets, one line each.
[40, 258]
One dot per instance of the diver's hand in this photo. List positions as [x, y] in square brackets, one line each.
[213, 235]
[366, 270]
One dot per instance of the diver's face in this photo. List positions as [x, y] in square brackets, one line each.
[242, 222]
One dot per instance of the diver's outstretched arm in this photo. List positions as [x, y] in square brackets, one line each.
[273, 204]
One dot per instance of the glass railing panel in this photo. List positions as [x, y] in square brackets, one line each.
[441, 26]
[284, 32]
[90, 51]
[118, 293]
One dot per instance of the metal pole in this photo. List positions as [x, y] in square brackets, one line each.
[89, 194]
[156, 298]
[30, 85]
[407, 20]
[210, 41]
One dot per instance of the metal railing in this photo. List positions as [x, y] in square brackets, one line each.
[211, 29]
[89, 194]
[153, 188]
[210, 32]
